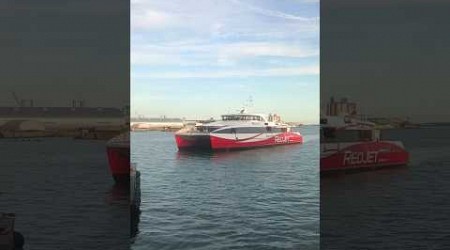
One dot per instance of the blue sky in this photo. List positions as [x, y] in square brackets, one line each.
[200, 59]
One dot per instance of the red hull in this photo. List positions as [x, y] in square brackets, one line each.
[193, 142]
[118, 150]
[214, 142]
[281, 139]
[119, 162]
[364, 156]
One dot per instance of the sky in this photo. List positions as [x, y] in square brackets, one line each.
[391, 57]
[53, 51]
[203, 58]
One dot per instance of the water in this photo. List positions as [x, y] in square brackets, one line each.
[254, 199]
[398, 208]
[63, 194]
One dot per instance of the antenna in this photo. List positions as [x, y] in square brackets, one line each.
[16, 98]
[247, 104]
[250, 101]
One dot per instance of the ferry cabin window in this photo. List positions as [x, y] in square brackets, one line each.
[251, 130]
[275, 130]
[248, 130]
[365, 135]
[241, 118]
[332, 135]
[211, 129]
[328, 133]
[347, 135]
[224, 131]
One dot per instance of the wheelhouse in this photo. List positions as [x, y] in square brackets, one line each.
[251, 130]
[243, 117]
[338, 129]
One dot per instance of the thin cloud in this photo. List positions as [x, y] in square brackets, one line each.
[218, 54]
[210, 17]
[249, 49]
[230, 43]
[280, 72]
[272, 13]
[150, 19]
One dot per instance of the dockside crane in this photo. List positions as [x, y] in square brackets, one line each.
[16, 98]
[22, 102]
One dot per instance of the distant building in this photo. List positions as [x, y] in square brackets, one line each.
[341, 108]
[22, 128]
[65, 117]
[162, 119]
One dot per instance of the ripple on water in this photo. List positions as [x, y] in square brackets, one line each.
[253, 199]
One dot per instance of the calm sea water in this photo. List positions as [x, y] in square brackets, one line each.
[254, 199]
[397, 208]
[63, 194]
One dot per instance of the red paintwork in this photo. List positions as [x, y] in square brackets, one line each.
[217, 143]
[118, 150]
[119, 160]
[220, 143]
[193, 142]
[182, 143]
[365, 155]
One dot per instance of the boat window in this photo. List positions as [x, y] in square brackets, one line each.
[251, 130]
[327, 134]
[333, 135]
[241, 118]
[347, 135]
[276, 130]
[269, 129]
[224, 131]
[365, 135]
[211, 129]
[284, 130]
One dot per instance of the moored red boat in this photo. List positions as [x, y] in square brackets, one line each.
[237, 131]
[350, 144]
[9, 238]
[118, 149]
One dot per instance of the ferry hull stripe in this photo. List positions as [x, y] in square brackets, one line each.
[280, 139]
[365, 155]
[216, 142]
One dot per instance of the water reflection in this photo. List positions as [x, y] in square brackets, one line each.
[232, 154]
[212, 200]
[119, 194]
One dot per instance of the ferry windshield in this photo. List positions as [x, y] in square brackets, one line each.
[334, 135]
[241, 118]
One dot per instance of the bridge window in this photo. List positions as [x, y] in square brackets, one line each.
[224, 131]
[251, 130]
[241, 118]
[333, 135]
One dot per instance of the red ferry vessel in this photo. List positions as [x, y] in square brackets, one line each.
[237, 131]
[118, 150]
[350, 144]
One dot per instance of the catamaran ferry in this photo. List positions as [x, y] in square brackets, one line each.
[349, 144]
[238, 131]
